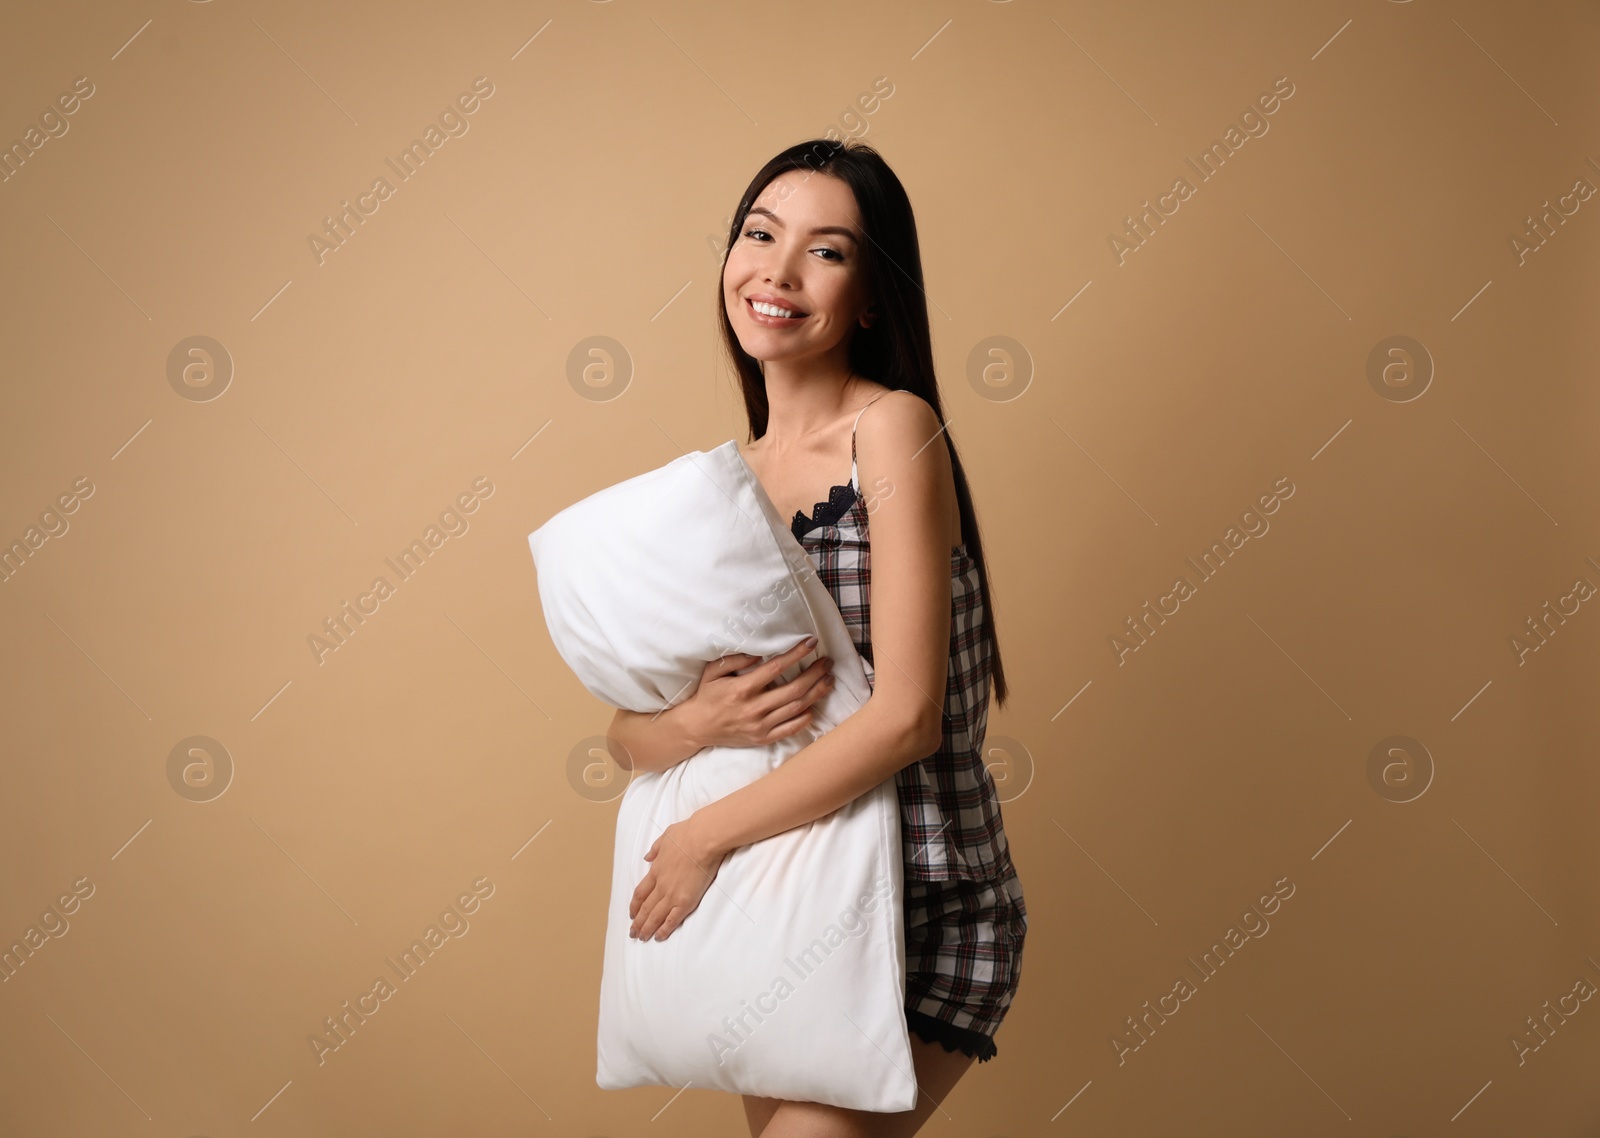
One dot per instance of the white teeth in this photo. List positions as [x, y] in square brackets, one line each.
[770, 309]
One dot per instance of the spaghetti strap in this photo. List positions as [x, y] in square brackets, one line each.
[854, 478]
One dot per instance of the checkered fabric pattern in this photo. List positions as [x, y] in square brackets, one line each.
[951, 827]
[963, 960]
[965, 917]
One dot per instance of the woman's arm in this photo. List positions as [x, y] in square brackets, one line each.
[835, 769]
[655, 741]
[900, 454]
[739, 702]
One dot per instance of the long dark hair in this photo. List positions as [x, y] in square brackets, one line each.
[897, 350]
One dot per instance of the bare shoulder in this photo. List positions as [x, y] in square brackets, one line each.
[901, 452]
[897, 423]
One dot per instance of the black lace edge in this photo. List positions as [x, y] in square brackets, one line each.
[933, 1030]
[825, 513]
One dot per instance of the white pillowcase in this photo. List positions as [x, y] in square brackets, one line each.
[788, 980]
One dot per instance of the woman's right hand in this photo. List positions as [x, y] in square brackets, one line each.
[749, 710]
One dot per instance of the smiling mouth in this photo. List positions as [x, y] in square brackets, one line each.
[769, 316]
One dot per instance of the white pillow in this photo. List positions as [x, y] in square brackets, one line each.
[788, 980]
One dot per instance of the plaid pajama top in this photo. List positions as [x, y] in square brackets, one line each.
[950, 822]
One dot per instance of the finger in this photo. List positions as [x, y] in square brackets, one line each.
[783, 730]
[667, 926]
[807, 681]
[778, 695]
[725, 664]
[643, 914]
[799, 651]
[783, 714]
[640, 893]
[781, 662]
[820, 682]
[797, 703]
[652, 921]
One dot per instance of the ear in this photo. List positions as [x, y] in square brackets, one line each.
[869, 316]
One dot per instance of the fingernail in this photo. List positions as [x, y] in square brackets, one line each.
[811, 642]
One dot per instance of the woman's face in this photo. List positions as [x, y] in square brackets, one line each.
[798, 249]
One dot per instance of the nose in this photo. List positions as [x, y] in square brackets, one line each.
[779, 277]
[781, 266]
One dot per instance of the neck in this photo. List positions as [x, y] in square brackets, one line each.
[804, 397]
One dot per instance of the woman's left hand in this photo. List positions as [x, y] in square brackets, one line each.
[682, 867]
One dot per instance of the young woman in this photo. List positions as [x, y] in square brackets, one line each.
[824, 316]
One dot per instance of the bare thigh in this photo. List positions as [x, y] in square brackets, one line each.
[937, 1072]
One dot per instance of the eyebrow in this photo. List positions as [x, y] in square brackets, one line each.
[839, 229]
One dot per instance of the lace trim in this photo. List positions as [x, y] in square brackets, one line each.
[840, 499]
[951, 1037]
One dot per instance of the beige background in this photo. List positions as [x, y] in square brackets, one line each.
[1142, 406]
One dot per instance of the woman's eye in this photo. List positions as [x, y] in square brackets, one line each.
[836, 255]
